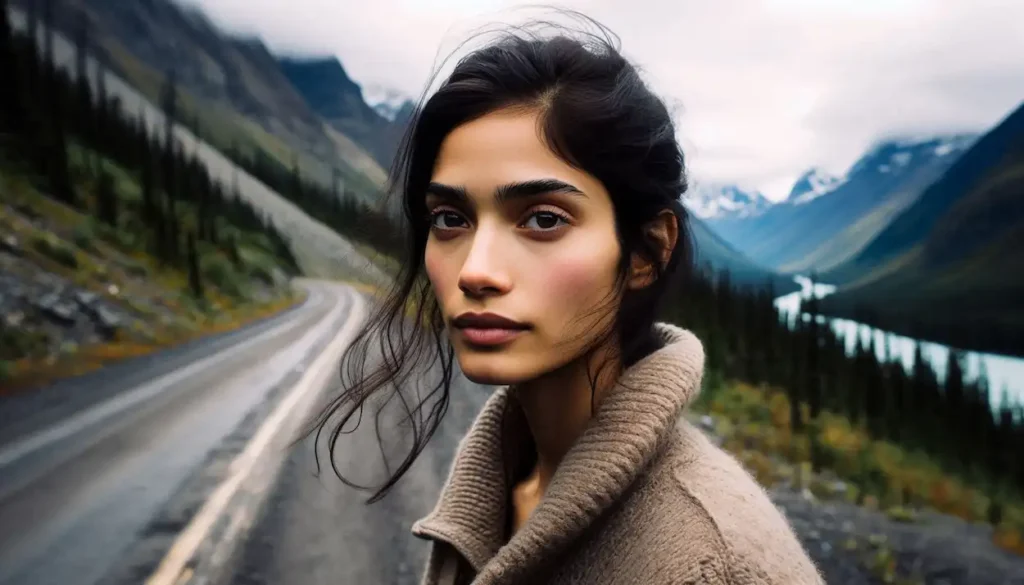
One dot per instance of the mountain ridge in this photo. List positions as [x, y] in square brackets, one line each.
[725, 200]
[889, 176]
[812, 184]
[948, 268]
[229, 84]
[333, 95]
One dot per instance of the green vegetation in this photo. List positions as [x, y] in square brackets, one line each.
[956, 246]
[313, 184]
[792, 404]
[94, 199]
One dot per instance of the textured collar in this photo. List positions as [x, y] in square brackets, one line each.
[633, 421]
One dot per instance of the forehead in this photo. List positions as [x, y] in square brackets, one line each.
[499, 148]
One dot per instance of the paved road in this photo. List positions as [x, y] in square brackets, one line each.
[80, 484]
[316, 530]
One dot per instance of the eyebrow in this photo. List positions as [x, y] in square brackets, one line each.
[509, 191]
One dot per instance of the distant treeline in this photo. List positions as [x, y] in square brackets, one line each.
[746, 338]
[983, 334]
[337, 209]
[44, 109]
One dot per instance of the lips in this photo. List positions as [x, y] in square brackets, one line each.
[486, 321]
[487, 329]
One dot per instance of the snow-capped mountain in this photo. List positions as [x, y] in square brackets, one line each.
[716, 201]
[812, 184]
[900, 155]
[825, 220]
[386, 101]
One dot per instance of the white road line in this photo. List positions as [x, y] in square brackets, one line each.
[109, 408]
[188, 541]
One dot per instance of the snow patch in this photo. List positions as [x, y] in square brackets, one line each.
[714, 201]
[385, 100]
[811, 185]
[900, 159]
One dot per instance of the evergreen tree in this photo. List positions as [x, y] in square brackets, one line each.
[13, 113]
[54, 153]
[83, 99]
[106, 200]
[195, 281]
[955, 403]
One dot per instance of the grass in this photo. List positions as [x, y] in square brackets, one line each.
[755, 425]
[35, 370]
[224, 127]
[57, 239]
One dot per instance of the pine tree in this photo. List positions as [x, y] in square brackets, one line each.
[13, 113]
[195, 281]
[955, 403]
[106, 200]
[84, 91]
[168, 101]
[54, 154]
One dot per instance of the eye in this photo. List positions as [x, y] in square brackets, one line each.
[445, 219]
[545, 220]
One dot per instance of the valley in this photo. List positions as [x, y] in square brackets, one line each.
[922, 237]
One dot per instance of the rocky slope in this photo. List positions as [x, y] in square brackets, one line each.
[231, 86]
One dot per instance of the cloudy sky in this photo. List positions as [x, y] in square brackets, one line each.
[761, 90]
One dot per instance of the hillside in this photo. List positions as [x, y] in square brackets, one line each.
[231, 88]
[992, 157]
[114, 239]
[319, 249]
[949, 267]
[710, 249]
[333, 95]
[830, 220]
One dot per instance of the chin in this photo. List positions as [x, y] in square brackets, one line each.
[495, 368]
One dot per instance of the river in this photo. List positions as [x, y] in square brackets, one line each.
[1003, 372]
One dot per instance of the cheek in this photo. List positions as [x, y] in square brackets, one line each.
[439, 272]
[578, 278]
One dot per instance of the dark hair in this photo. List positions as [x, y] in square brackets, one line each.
[599, 116]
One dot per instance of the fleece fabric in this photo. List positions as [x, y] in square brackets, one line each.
[642, 497]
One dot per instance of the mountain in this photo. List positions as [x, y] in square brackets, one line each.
[949, 266]
[230, 87]
[812, 184]
[717, 201]
[386, 101]
[830, 220]
[711, 250]
[319, 250]
[332, 94]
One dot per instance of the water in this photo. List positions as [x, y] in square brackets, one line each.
[1003, 372]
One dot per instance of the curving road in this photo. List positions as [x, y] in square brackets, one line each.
[88, 466]
[314, 530]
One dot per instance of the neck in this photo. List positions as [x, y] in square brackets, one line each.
[558, 406]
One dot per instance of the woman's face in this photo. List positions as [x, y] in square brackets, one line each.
[518, 235]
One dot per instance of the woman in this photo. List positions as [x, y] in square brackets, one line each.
[541, 184]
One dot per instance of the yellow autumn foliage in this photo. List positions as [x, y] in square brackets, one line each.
[755, 425]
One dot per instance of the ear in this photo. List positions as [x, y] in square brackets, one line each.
[663, 233]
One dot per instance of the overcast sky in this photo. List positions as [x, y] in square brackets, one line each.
[761, 90]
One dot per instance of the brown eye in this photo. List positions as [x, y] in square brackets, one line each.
[446, 219]
[545, 220]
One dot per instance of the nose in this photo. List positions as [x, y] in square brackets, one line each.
[483, 272]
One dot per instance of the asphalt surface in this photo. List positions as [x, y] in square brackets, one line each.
[316, 530]
[87, 466]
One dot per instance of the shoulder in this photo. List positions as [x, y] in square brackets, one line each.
[755, 538]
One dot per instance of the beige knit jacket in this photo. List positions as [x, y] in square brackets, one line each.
[642, 497]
